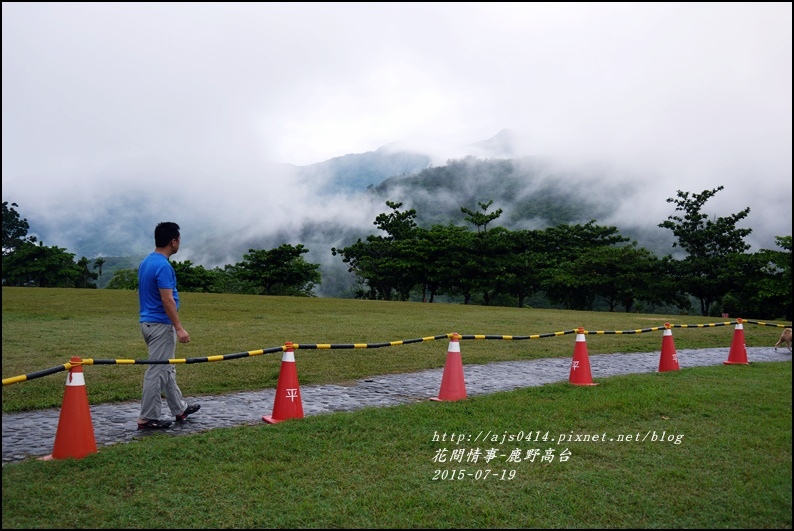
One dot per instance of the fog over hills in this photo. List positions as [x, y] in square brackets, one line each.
[262, 123]
[332, 203]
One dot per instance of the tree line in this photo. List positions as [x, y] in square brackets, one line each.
[578, 267]
[26, 262]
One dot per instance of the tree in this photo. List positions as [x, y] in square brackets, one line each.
[98, 263]
[401, 260]
[229, 280]
[371, 262]
[705, 272]
[398, 225]
[280, 271]
[626, 275]
[765, 290]
[524, 266]
[85, 276]
[194, 278]
[778, 269]
[388, 264]
[571, 253]
[481, 219]
[124, 279]
[443, 248]
[491, 253]
[15, 229]
[40, 266]
[481, 270]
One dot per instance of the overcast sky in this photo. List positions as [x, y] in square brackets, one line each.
[185, 98]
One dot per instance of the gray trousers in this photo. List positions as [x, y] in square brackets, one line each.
[161, 340]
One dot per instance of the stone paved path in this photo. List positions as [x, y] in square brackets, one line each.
[32, 434]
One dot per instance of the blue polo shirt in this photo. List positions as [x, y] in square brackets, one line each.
[155, 273]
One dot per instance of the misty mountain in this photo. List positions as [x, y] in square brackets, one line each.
[348, 192]
[354, 173]
[119, 222]
[531, 194]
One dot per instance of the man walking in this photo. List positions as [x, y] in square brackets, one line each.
[161, 328]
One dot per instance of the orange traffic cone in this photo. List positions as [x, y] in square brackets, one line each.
[580, 365]
[738, 353]
[668, 361]
[453, 386]
[75, 434]
[287, 404]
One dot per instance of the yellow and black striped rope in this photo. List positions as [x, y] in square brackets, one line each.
[518, 338]
[762, 323]
[37, 374]
[324, 346]
[90, 361]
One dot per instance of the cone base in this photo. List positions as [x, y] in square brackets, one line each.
[574, 383]
[736, 362]
[666, 366]
[271, 420]
[439, 399]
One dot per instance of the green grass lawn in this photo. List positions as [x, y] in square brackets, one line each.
[44, 328]
[382, 467]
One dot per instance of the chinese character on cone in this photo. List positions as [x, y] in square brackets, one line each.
[288, 404]
[580, 364]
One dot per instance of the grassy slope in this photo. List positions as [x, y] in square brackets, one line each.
[44, 328]
[378, 468]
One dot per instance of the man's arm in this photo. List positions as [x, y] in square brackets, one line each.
[169, 305]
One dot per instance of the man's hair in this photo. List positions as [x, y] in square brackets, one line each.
[164, 232]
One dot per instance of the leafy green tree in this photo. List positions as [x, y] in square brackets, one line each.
[483, 269]
[86, 275]
[566, 283]
[481, 219]
[523, 266]
[710, 244]
[765, 283]
[40, 266]
[229, 280]
[569, 254]
[777, 291]
[28, 264]
[624, 275]
[390, 264]
[194, 278]
[365, 259]
[398, 225]
[491, 251]
[400, 262]
[280, 271]
[442, 249]
[661, 288]
[124, 279]
[15, 229]
[190, 278]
